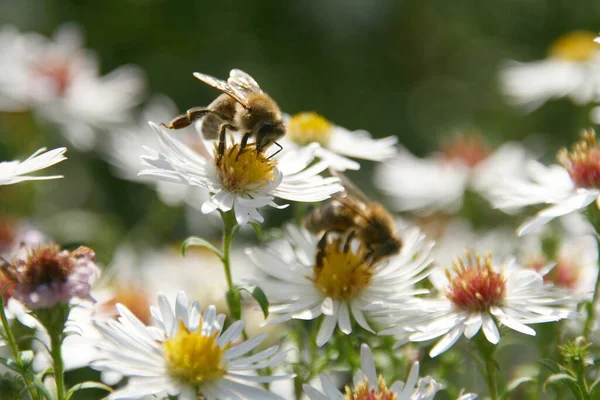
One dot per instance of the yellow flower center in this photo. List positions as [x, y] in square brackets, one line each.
[308, 127]
[193, 358]
[583, 162]
[246, 171]
[364, 391]
[339, 272]
[574, 46]
[475, 285]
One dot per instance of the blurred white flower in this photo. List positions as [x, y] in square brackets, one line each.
[368, 385]
[475, 295]
[438, 183]
[571, 69]
[337, 143]
[573, 264]
[571, 186]
[337, 281]
[187, 355]
[17, 171]
[240, 181]
[60, 80]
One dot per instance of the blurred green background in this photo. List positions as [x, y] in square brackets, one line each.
[416, 69]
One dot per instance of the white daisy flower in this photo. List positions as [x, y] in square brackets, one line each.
[571, 69]
[477, 295]
[573, 264]
[337, 143]
[186, 355]
[243, 182]
[17, 171]
[337, 281]
[438, 183]
[568, 187]
[60, 80]
[368, 385]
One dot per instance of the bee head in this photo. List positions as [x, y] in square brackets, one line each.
[269, 132]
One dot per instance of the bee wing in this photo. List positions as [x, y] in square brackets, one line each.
[223, 87]
[350, 188]
[243, 83]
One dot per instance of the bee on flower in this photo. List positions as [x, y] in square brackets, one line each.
[309, 277]
[477, 295]
[187, 354]
[338, 144]
[570, 70]
[59, 80]
[438, 183]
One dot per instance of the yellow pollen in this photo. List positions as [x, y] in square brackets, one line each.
[364, 391]
[246, 171]
[342, 273]
[308, 127]
[475, 286]
[574, 46]
[583, 161]
[193, 358]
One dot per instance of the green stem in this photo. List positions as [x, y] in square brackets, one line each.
[14, 348]
[487, 350]
[230, 228]
[59, 369]
[591, 307]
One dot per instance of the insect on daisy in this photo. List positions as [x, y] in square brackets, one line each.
[368, 385]
[17, 171]
[568, 187]
[187, 354]
[478, 295]
[337, 143]
[337, 280]
[241, 180]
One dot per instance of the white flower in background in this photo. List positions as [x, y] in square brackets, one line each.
[459, 235]
[337, 143]
[60, 80]
[573, 264]
[243, 182]
[186, 355]
[571, 186]
[17, 171]
[438, 183]
[338, 281]
[477, 295]
[571, 69]
[368, 385]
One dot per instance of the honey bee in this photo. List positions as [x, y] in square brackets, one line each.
[353, 214]
[242, 106]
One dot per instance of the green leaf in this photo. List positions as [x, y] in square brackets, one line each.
[261, 299]
[562, 378]
[197, 241]
[87, 385]
[11, 364]
[234, 301]
[512, 386]
[36, 382]
[594, 386]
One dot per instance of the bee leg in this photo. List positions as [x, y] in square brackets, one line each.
[222, 137]
[243, 143]
[348, 240]
[191, 115]
[321, 247]
[277, 152]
